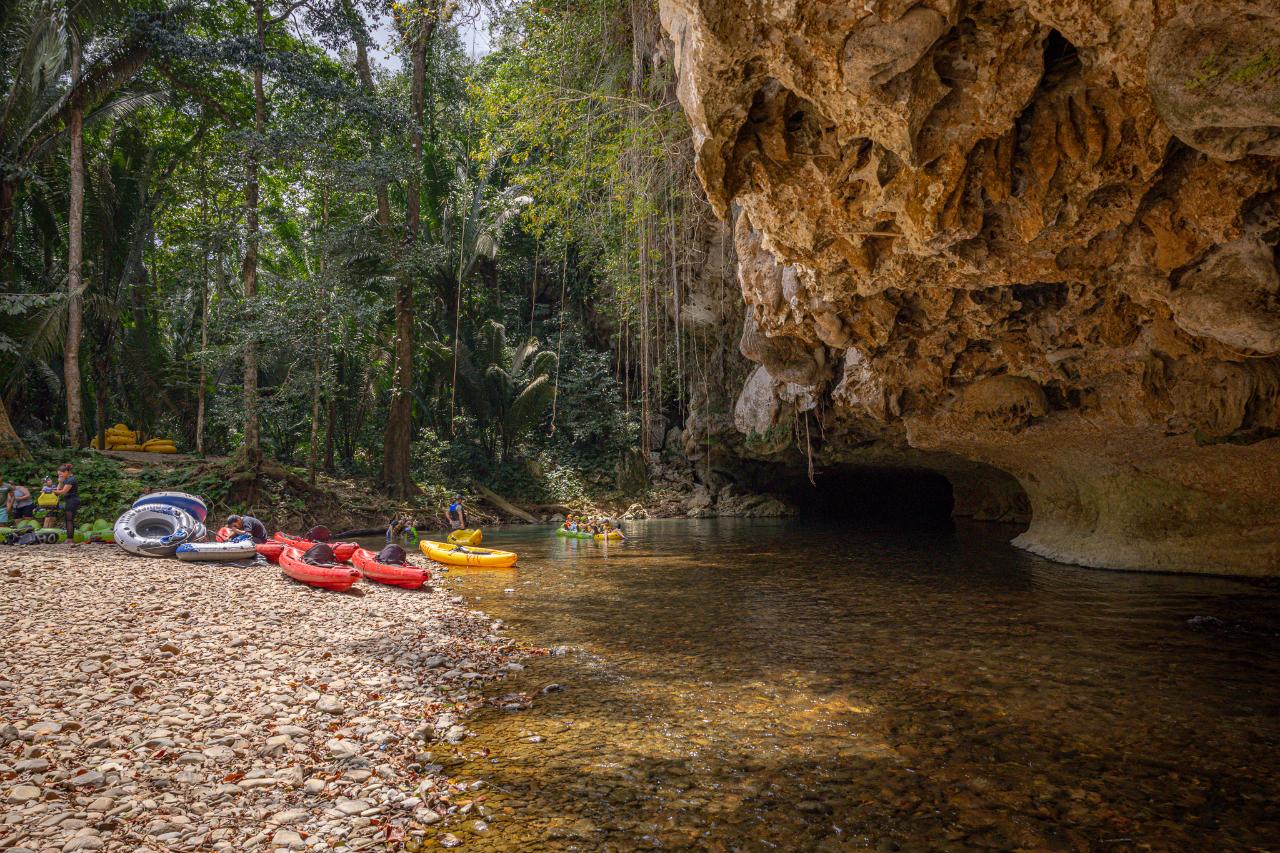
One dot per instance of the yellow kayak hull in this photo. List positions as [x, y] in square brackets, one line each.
[612, 534]
[466, 537]
[453, 555]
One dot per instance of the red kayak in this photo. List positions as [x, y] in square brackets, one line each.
[341, 550]
[271, 550]
[333, 576]
[409, 577]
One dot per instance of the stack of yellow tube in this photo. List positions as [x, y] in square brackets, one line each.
[120, 437]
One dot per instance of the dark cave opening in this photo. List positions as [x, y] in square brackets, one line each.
[879, 493]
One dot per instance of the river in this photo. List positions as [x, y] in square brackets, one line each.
[774, 685]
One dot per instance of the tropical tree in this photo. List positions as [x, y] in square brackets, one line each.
[507, 390]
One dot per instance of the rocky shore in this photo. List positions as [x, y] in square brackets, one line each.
[153, 705]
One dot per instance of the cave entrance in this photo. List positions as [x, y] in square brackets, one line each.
[912, 495]
[900, 494]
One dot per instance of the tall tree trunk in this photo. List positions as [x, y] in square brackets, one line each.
[249, 272]
[365, 73]
[330, 424]
[313, 448]
[201, 392]
[101, 378]
[11, 447]
[75, 257]
[396, 479]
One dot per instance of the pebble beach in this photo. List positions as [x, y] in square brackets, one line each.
[153, 705]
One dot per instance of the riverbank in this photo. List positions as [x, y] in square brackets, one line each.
[156, 705]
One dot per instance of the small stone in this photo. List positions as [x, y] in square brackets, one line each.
[170, 648]
[313, 785]
[88, 777]
[290, 816]
[287, 838]
[83, 842]
[219, 753]
[449, 840]
[23, 794]
[455, 734]
[277, 743]
[342, 748]
[31, 765]
[351, 807]
[427, 816]
[329, 704]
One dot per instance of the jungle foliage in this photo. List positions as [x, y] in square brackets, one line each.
[321, 231]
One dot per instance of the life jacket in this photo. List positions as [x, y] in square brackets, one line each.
[319, 533]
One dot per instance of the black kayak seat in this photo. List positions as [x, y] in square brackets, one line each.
[393, 555]
[319, 554]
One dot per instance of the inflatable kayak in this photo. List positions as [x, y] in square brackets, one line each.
[409, 577]
[333, 576]
[271, 551]
[341, 550]
[572, 534]
[190, 504]
[466, 537]
[467, 555]
[612, 534]
[155, 530]
[215, 552]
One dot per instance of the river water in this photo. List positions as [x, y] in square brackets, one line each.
[774, 685]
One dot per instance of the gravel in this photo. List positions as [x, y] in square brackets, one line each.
[153, 705]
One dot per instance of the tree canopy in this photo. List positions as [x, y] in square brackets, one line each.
[322, 232]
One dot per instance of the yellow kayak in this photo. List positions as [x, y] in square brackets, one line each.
[466, 555]
[612, 534]
[466, 537]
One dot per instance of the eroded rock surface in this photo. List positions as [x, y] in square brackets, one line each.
[1037, 234]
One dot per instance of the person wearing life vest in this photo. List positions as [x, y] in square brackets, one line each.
[457, 515]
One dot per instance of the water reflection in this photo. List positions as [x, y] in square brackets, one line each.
[749, 685]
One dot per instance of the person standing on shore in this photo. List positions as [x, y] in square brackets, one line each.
[20, 503]
[68, 492]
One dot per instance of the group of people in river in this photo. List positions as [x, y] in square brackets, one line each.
[18, 502]
[596, 524]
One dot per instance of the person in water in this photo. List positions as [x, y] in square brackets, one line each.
[397, 529]
[457, 515]
[68, 492]
[248, 524]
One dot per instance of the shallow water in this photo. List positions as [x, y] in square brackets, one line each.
[759, 685]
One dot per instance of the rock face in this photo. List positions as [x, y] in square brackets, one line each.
[1035, 234]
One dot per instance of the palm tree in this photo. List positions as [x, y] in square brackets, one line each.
[42, 107]
[508, 390]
